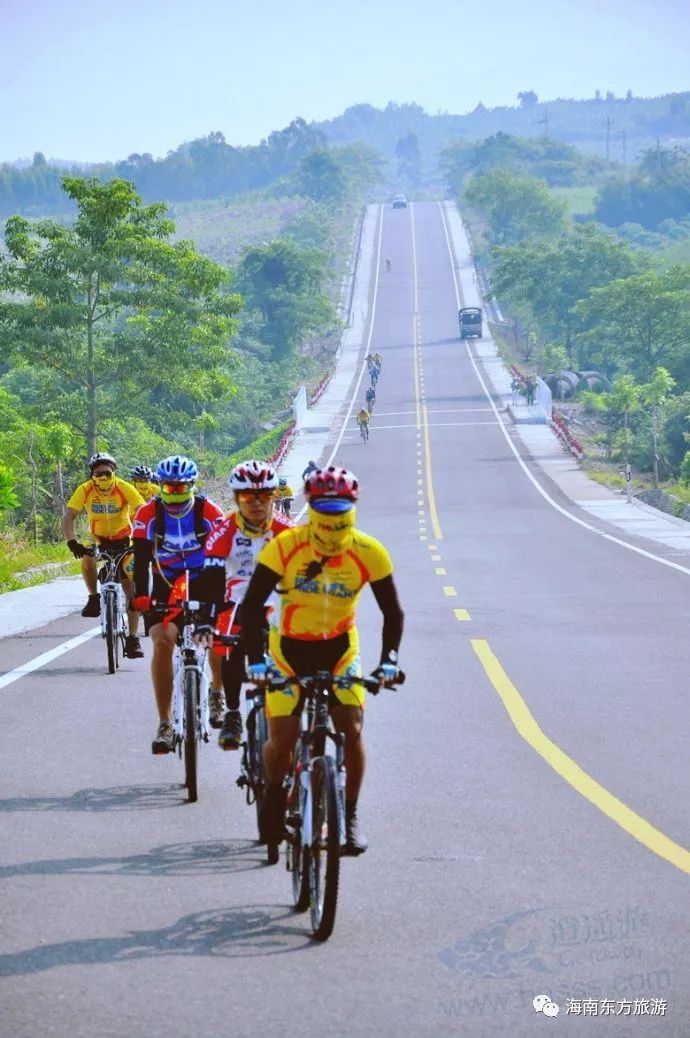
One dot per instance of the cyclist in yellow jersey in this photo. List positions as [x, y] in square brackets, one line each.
[319, 570]
[284, 497]
[363, 422]
[110, 504]
[145, 481]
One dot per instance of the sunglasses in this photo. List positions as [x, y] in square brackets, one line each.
[255, 495]
[332, 505]
[176, 488]
[102, 472]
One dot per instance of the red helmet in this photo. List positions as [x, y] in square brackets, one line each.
[331, 482]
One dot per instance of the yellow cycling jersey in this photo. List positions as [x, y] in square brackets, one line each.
[110, 515]
[146, 489]
[285, 491]
[363, 416]
[322, 606]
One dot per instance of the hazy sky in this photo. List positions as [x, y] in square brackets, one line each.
[95, 80]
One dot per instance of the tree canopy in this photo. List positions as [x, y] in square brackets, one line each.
[111, 302]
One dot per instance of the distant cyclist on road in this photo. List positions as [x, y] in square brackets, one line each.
[110, 503]
[388, 265]
[371, 399]
[363, 422]
[311, 467]
[284, 497]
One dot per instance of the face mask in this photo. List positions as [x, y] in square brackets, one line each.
[177, 504]
[330, 534]
[104, 483]
[143, 488]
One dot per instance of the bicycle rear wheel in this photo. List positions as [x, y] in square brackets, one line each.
[111, 632]
[191, 745]
[324, 857]
[257, 733]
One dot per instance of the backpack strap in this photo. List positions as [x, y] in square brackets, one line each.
[199, 523]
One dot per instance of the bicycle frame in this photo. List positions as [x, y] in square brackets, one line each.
[313, 742]
[189, 656]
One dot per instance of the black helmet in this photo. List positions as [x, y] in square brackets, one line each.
[102, 457]
[141, 473]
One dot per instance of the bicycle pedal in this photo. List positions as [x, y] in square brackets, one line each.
[242, 781]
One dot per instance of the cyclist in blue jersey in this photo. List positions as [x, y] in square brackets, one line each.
[168, 540]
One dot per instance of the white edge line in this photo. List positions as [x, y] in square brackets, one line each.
[46, 657]
[525, 469]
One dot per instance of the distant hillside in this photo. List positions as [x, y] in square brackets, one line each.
[408, 138]
[582, 123]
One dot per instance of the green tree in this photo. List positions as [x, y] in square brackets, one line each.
[655, 394]
[284, 286]
[110, 302]
[551, 277]
[8, 498]
[624, 399]
[644, 320]
[321, 177]
[515, 209]
[409, 157]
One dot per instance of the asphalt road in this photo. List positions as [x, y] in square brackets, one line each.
[525, 792]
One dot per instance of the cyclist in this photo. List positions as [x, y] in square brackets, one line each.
[230, 553]
[374, 375]
[378, 361]
[363, 422]
[284, 496]
[311, 467]
[110, 504]
[145, 480]
[169, 535]
[320, 570]
[388, 265]
[370, 398]
[370, 360]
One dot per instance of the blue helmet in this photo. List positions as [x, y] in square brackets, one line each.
[177, 469]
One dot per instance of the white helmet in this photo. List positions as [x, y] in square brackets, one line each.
[253, 475]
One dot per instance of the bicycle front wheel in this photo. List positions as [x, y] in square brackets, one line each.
[191, 745]
[257, 736]
[324, 857]
[111, 632]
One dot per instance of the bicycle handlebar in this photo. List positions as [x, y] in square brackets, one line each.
[307, 682]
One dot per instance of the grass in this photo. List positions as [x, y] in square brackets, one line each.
[18, 555]
[222, 228]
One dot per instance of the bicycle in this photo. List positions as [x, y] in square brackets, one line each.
[252, 776]
[364, 431]
[374, 376]
[114, 627]
[190, 719]
[371, 403]
[315, 803]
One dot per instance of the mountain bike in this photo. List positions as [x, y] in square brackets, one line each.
[315, 804]
[364, 431]
[114, 628]
[190, 719]
[252, 777]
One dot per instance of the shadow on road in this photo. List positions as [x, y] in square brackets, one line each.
[246, 932]
[213, 857]
[115, 798]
